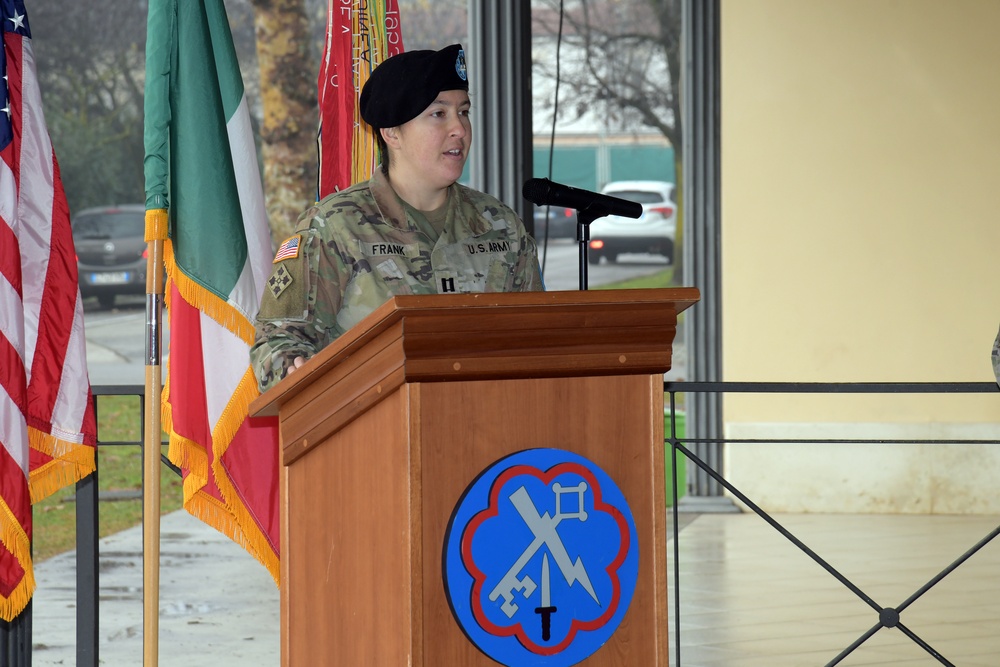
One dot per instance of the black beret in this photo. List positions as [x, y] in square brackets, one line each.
[404, 85]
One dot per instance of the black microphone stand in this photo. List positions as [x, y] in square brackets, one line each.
[583, 220]
[542, 191]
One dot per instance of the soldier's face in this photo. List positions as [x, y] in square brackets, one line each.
[434, 146]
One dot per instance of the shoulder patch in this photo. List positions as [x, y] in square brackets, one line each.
[279, 281]
[289, 249]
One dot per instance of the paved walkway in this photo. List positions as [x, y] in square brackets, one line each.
[748, 597]
[218, 606]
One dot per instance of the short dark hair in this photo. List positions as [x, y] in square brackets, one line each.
[383, 151]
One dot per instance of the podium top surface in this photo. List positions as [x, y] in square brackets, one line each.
[448, 337]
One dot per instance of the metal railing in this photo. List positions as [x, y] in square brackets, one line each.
[15, 637]
[888, 617]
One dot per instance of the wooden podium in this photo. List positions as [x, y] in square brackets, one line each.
[383, 431]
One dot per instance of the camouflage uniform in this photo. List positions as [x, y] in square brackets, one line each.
[357, 248]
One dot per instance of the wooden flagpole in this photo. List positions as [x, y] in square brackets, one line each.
[156, 233]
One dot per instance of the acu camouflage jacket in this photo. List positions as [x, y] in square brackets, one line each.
[357, 248]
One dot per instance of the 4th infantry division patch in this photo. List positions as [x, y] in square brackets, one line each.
[279, 281]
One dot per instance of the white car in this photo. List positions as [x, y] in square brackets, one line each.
[653, 232]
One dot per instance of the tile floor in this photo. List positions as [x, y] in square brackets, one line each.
[751, 598]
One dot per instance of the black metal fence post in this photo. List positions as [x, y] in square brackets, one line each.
[87, 571]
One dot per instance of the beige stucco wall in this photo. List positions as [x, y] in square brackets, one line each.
[861, 242]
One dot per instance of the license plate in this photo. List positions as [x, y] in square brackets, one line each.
[110, 278]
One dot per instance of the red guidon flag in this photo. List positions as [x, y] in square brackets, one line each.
[47, 427]
[200, 159]
[359, 36]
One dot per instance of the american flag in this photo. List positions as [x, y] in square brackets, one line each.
[47, 426]
[288, 250]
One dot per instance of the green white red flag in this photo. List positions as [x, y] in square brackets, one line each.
[47, 426]
[359, 36]
[201, 168]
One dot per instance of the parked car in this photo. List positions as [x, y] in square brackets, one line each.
[561, 222]
[653, 232]
[111, 251]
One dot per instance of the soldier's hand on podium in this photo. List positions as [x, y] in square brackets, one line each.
[297, 364]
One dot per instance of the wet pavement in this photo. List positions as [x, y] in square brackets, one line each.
[218, 605]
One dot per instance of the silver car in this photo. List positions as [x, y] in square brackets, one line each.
[653, 232]
[111, 251]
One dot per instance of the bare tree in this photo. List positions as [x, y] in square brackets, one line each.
[626, 64]
[90, 76]
[629, 60]
[433, 24]
[90, 61]
[290, 117]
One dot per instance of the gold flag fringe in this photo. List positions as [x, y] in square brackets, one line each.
[232, 518]
[71, 462]
[16, 541]
[368, 35]
[232, 417]
[207, 302]
[182, 452]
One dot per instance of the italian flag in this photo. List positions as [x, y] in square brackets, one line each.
[203, 187]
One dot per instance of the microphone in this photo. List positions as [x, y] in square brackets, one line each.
[542, 191]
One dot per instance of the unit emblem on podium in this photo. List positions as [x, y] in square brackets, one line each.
[541, 559]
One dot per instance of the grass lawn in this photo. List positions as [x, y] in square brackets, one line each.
[654, 280]
[119, 470]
